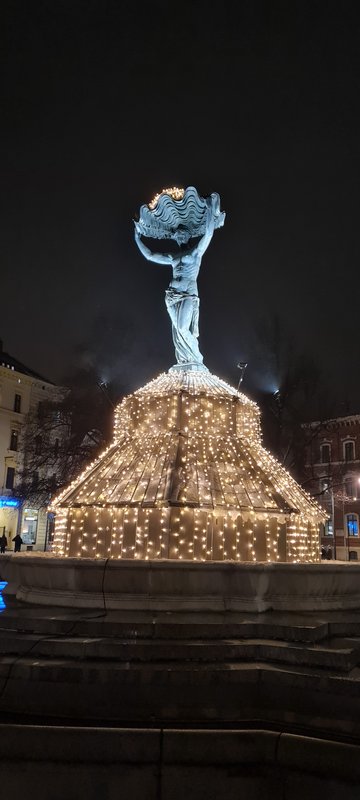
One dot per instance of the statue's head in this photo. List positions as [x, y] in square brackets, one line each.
[181, 235]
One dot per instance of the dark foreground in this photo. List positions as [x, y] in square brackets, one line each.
[100, 704]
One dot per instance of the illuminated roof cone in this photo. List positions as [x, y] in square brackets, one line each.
[187, 477]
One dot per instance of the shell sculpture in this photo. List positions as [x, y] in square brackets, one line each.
[176, 214]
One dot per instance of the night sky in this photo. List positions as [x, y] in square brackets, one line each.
[103, 104]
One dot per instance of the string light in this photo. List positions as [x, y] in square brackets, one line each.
[174, 192]
[187, 477]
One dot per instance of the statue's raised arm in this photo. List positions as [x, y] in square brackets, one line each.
[181, 215]
[213, 215]
[158, 258]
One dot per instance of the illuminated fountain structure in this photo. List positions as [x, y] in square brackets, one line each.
[187, 478]
[185, 510]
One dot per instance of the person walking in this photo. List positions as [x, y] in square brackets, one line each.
[3, 543]
[18, 542]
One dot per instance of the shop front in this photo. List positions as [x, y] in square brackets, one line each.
[9, 514]
[29, 527]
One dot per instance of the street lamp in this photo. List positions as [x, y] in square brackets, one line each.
[104, 387]
[328, 489]
[242, 367]
[333, 520]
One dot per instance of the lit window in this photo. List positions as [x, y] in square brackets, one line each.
[352, 524]
[325, 453]
[328, 528]
[14, 440]
[349, 450]
[325, 494]
[350, 487]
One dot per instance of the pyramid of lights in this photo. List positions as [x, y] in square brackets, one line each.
[186, 475]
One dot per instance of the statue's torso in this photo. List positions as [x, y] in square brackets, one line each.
[185, 273]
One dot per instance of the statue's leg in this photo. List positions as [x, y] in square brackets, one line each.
[185, 324]
[181, 312]
[194, 327]
[181, 348]
[172, 309]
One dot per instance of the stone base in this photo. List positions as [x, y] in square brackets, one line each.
[180, 586]
[54, 761]
[190, 366]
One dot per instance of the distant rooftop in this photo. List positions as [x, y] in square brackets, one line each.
[350, 419]
[6, 360]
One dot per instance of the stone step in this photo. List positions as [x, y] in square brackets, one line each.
[228, 693]
[167, 627]
[333, 656]
[33, 744]
[167, 763]
[184, 668]
[345, 627]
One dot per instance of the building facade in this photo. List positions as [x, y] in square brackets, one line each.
[22, 392]
[333, 469]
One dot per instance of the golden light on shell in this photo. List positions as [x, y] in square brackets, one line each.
[174, 191]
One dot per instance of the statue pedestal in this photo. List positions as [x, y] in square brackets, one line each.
[190, 366]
